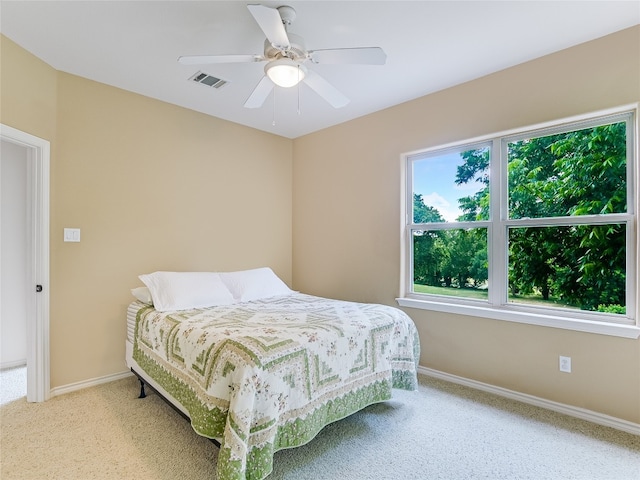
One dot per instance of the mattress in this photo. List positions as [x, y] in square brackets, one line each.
[132, 311]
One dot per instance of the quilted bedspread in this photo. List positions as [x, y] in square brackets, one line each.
[270, 374]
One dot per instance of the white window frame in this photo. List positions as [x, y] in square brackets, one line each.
[497, 307]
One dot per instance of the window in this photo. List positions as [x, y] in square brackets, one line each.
[531, 224]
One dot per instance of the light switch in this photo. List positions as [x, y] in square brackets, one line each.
[71, 234]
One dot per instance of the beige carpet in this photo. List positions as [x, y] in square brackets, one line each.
[443, 431]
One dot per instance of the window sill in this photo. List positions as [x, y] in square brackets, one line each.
[579, 325]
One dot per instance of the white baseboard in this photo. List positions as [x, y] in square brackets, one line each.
[72, 387]
[582, 413]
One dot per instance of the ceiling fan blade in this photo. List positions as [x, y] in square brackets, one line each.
[271, 24]
[323, 88]
[260, 93]
[358, 55]
[209, 59]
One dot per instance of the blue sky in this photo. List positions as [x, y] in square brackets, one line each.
[434, 178]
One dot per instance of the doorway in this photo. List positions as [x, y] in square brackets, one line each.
[36, 153]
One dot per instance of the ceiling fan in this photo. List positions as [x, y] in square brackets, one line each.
[286, 56]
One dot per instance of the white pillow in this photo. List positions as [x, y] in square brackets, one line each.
[247, 285]
[142, 294]
[185, 290]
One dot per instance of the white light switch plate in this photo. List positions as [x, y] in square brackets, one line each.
[71, 234]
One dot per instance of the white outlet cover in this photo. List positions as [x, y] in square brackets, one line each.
[565, 364]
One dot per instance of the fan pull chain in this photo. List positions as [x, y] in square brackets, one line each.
[298, 87]
[273, 121]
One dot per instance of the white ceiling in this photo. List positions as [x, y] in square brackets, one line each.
[430, 45]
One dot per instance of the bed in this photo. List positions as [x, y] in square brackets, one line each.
[267, 370]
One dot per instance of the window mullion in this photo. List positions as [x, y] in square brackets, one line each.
[497, 234]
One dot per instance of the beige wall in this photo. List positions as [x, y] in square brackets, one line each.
[152, 187]
[28, 86]
[346, 237]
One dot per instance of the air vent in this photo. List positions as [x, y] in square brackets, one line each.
[208, 80]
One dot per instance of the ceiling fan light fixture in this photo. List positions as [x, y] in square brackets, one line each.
[285, 72]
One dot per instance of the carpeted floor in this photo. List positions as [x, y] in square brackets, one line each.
[443, 431]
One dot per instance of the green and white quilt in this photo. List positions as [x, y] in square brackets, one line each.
[269, 374]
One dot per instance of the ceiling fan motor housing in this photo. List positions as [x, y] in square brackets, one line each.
[296, 50]
[287, 14]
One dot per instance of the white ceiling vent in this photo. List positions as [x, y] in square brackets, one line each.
[208, 80]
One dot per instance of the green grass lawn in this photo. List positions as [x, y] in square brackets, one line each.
[452, 292]
[482, 294]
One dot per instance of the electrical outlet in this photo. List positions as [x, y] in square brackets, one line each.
[565, 364]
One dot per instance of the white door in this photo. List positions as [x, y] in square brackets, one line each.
[35, 152]
[13, 255]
